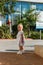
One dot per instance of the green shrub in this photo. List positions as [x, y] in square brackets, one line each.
[15, 31]
[35, 35]
[1, 33]
[26, 34]
[5, 32]
[42, 35]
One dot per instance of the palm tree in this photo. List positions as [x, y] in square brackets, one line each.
[7, 7]
[29, 19]
[2, 5]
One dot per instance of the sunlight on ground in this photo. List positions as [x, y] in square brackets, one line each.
[2, 63]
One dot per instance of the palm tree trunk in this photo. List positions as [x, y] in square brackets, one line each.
[10, 24]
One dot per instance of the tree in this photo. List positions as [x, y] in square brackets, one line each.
[7, 8]
[4, 32]
[4, 3]
[29, 19]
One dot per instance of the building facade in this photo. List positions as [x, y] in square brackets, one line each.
[22, 6]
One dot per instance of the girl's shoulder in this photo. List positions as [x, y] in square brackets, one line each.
[21, 32]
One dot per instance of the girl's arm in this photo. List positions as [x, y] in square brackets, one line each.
[22, 38]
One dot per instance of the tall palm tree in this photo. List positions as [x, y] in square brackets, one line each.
[7, 7]
[29, 19]
[2, 5]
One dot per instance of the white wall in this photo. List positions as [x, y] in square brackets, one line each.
[32, 0]
[40, 16]
[0, 23]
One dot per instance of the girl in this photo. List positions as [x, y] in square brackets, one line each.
[20, 38]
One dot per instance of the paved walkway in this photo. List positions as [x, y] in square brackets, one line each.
[8, 58]
[11, 44]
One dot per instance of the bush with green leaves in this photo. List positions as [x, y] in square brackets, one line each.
[5, 32]
[14, 29]
[35, 35]
[1, 34]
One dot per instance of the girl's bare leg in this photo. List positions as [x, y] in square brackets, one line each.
[21, 48]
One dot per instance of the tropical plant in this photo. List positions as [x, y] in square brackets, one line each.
[7, 6]
[5, 32]
[29, 19]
